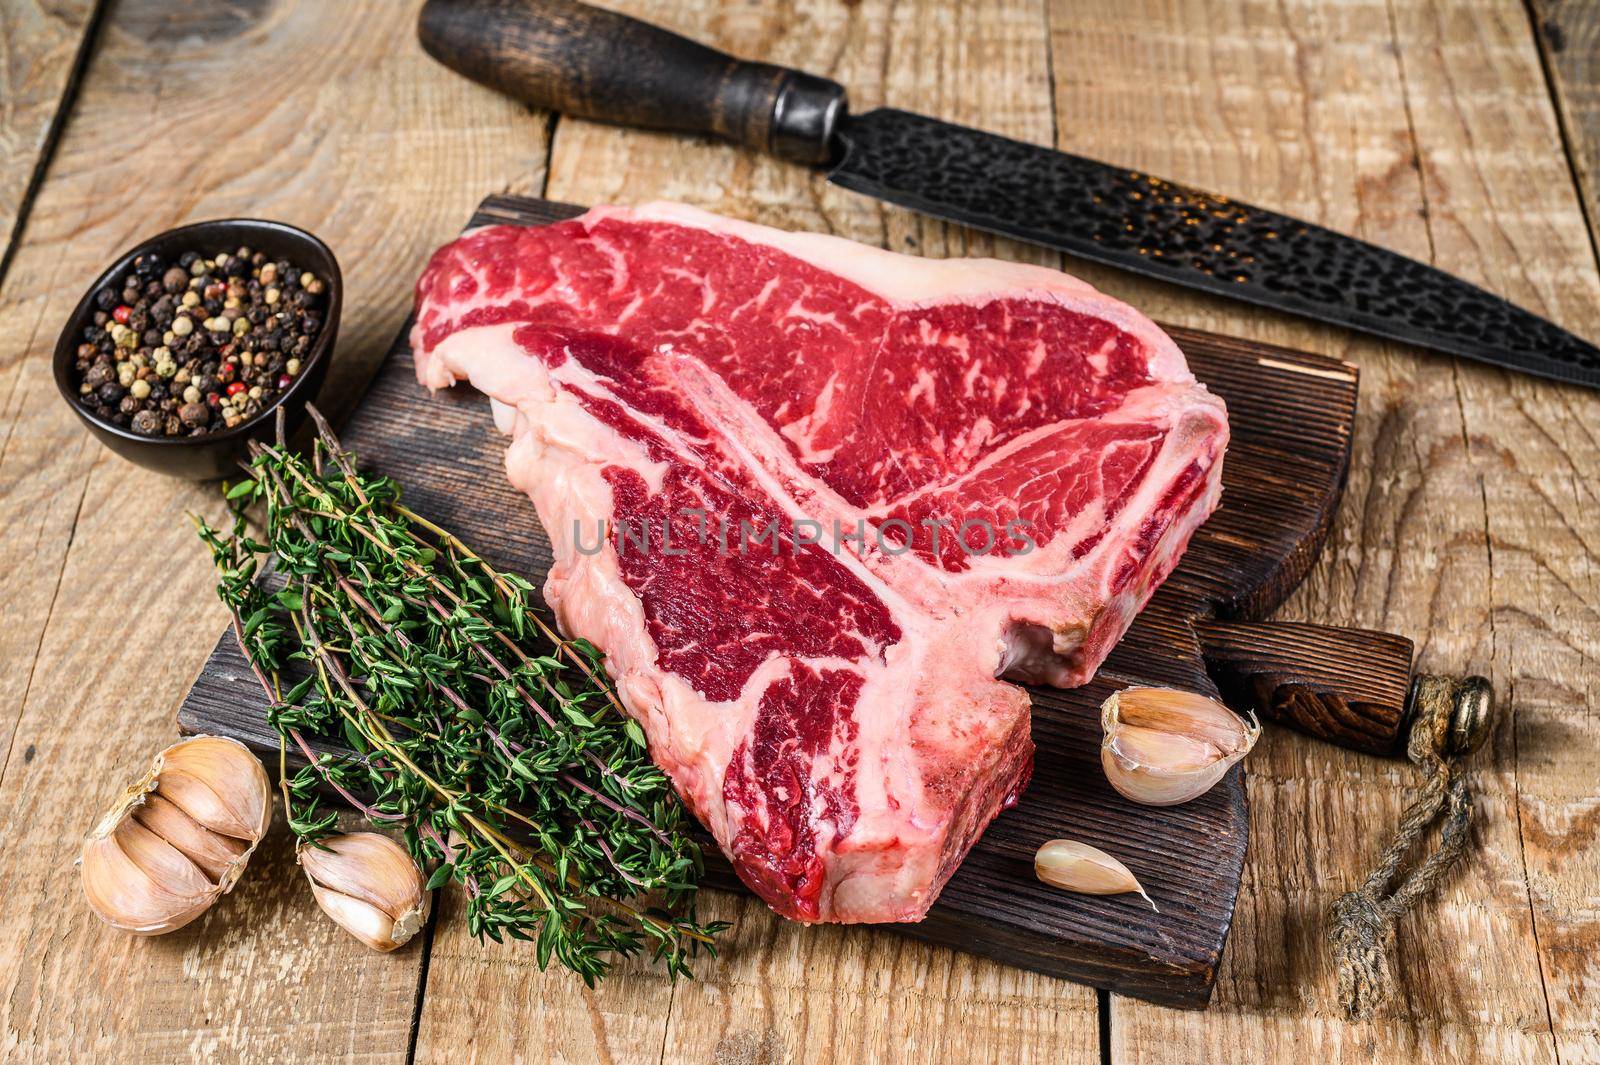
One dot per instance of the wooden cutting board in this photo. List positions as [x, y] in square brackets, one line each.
[1291, 416]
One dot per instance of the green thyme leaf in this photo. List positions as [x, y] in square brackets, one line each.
[459, 716]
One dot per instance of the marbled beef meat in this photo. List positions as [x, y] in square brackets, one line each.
[813, 499]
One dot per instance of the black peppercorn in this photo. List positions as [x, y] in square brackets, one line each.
[164, 333]
[194, 415]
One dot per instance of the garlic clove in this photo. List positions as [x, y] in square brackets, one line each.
[125, 896]
[361, 919]
[1162, 747]
[199, 800]
[409, 923]
[367, 866]
[1164, 750]
[1174, 711]
[178, 838]
[219, 783]
[161, 861]
[357, 875]
[217, 856]
[1074, 866]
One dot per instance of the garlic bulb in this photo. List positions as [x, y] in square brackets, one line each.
[1066, 863]
[369, 885]
[1162, 747]
[179, 838]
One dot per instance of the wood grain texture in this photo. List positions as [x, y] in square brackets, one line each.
[591, 62]
[1333, 109]
[1320, 680]
[1503, 211]
[43, 44]
[1569, 38]
[107, 594]
[1348, 114]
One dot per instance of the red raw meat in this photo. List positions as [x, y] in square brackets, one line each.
[812, 498]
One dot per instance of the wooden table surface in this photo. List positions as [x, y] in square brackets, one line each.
[1463, 132]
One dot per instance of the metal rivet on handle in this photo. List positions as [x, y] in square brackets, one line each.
[1472, 716]
[1469, 719]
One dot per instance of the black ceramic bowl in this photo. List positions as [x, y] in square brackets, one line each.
[214, 454]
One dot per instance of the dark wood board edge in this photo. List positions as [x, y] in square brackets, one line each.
[1273, 587]
[1182, 984]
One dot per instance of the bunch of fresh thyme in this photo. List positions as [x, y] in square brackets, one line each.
[495, 746]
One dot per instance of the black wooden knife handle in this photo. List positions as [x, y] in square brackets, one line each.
[1351, 687]
[585, 61]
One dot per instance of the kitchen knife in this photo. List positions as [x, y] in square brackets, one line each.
[586, 61]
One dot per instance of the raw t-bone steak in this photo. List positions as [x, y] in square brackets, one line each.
[813, 498]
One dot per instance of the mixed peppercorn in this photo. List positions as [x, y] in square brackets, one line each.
[198, 345]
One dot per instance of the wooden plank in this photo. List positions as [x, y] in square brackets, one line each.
[831, 999]
[1306, 107]
[43, 46]
[1293, 111]
[305, 112]
[1287, 459]
[1504, 212]
[1569, 38]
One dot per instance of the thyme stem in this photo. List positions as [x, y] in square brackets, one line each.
[464, 714]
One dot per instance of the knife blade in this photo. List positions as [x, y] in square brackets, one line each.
[571, 57]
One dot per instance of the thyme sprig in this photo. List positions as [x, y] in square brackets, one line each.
[494, 745]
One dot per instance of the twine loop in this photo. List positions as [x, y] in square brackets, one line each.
[1361, 922]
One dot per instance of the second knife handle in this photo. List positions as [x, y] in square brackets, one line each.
[585, 61]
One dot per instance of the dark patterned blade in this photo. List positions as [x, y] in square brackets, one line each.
[1153, 227]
